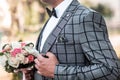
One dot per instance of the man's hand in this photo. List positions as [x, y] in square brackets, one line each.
[46, 66]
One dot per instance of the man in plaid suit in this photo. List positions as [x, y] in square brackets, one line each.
[74, 45]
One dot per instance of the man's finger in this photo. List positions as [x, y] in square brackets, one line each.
[38, 72]
[40, 57]
[37, 67]
[49, 54]
[37, 62]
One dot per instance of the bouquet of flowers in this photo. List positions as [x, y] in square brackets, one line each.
[18, 55]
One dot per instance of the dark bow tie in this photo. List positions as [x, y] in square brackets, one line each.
[50, 13]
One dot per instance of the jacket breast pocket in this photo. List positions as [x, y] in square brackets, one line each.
[65, 43]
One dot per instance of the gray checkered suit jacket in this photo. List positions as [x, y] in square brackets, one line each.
[81, 44]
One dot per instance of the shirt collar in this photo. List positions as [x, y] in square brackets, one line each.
[62, 7]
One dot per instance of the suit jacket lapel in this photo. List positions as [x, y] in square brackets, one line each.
[38, 43]
[61, 24]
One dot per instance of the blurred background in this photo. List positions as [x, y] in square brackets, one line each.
[23, 20]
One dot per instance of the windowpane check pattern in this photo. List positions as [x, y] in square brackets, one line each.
[81, 43]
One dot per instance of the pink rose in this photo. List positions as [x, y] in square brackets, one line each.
[30, 58]
[16, 51]
[3, 51]
[23, 44]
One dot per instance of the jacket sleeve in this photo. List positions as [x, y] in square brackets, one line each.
[98, 50]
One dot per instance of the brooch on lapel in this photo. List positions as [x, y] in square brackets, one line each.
[67, 16]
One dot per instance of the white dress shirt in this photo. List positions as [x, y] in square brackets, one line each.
[53, 20]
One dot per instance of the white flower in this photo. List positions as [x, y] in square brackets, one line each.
[20, 57]
[3, 60]
[32, 51]
[26, 61]
[16, 45]
[14, 62]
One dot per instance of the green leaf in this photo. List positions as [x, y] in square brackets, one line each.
[8, 68]
[1, 54]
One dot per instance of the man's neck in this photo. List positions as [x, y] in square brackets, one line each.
[56, 3]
